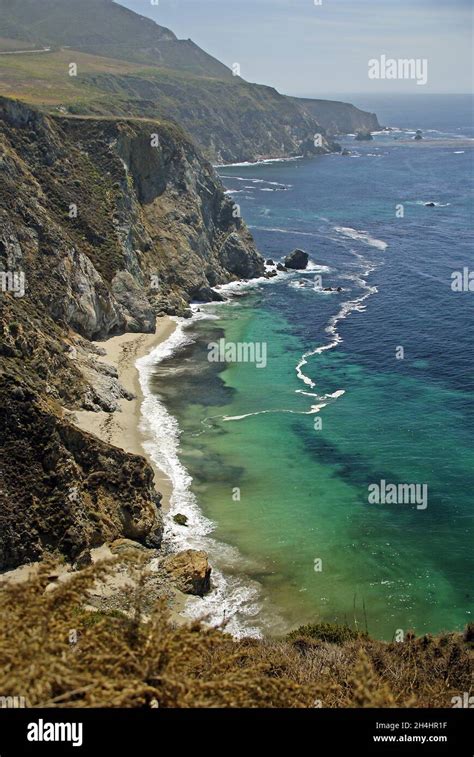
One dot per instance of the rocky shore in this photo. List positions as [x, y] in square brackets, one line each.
[112, 223]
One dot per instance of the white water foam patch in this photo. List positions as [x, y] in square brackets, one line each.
[322, 402]
[233, 599]
[247, 163]
[361, 236]
[257, 181]
[287, 231]
[317, 268]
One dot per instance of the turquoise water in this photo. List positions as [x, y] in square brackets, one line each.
[281, 457]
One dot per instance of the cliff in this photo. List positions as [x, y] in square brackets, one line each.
[112, 222]
[230, 120]
[338, 117]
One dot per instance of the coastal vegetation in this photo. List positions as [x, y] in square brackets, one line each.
[56, 653]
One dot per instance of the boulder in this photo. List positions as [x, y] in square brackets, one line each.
[205, 294]
[281, 267]
[363, 136]
[297, 260]
[127, 546]
[269, 262]
[190, 571]
[180, 519]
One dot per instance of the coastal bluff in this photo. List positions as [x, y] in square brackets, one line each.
[112, 222]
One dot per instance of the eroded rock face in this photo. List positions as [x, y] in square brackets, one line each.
[63, 489]
[190, 571]
[297, 260]
[114, 221]
[237, 259]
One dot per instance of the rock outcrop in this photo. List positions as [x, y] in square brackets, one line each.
[63, 489]
[363, 136]
[190, 571]
[297, 260]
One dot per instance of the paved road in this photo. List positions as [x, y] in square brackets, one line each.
[26, 52]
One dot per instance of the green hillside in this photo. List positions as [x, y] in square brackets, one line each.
[104, 28]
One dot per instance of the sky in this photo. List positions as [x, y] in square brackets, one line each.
[302, 48]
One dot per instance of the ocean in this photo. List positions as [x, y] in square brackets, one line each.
[274, 463]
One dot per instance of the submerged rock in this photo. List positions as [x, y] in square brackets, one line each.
[430, 204]
[190, 571]
[180, 519]
[297, 260]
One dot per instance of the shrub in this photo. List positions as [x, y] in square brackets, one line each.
[331, 633]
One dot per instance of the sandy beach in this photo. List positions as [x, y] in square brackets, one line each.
[122, 427]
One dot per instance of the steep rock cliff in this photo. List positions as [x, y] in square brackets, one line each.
[111, 222]
[338, 117]
[125, 217]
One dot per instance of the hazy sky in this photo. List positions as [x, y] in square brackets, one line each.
[307, 49]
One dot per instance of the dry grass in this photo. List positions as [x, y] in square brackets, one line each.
[123, 661]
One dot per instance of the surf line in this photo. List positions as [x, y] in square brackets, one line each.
[346, 309]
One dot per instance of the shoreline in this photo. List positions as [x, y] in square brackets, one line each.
[122, 427]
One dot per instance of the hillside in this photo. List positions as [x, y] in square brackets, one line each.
[130, 66]
[105, 28]
[230, 120]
